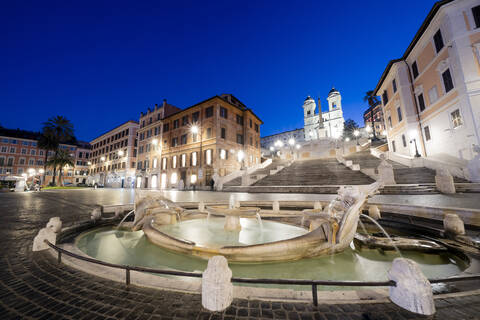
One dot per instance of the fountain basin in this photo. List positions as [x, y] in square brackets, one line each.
[227, 211]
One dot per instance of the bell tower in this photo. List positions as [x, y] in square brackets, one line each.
[310, 119]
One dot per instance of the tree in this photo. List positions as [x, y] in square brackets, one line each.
[60, 130]
[349, 127]
[61, 159]
[48, 143]
[372, 101]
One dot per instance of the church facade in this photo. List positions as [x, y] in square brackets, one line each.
[317, 125]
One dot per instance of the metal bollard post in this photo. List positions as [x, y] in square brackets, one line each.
[314, 294]
[127, 276]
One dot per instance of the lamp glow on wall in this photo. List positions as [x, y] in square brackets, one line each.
[356, 133]
[240, 155]
[413, 139]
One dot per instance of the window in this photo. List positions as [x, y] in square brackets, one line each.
[223, 154]
[404, 141]
[12, 150]
[414, 69]
[390, 122]
[194, 137]
[209, 133]
[438, 40]
[195, 116]
[21, 161]
[223, 133]
[385, 97]
[208, 156]
[223, 112]
[183, 139]
[184, 120]
[164, 163]
[174, 162]
[456, 119]
[393, 146]
[154, 163]
[394, 85]
[209, 112]
[165, 127]
[476, 16]
[2, 161]
[24, 151]
[427, 133]
[433, 94]
[183, 159]
[240, 138]
[174, 142]
[31, 162]
[256, 127]
[447, 80]
[176, 123]
[250, 122]
[193, 159]
[421, 102]
[10, 162]
[399, 113]
[4, 149]
[239, 119]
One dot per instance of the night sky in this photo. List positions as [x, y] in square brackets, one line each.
[101, 63]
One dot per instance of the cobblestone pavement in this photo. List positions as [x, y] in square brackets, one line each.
[34, 286]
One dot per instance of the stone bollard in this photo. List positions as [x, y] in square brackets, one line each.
[55, 224]
[217, 288]
[374, 212]
[413, 291]
[276, 206]
[444, 181]
[118, 211]
[385, 172]
[201, 206]
[453, 225]
[96, 213]
[317, 205]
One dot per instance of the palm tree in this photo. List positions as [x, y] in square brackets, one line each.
[61, 159]
[372, 101]
[61, 131]
[48, 143]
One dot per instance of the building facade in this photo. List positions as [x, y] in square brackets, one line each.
[22, 159]
[113, 157]
[431, 96]
[214, 137]
[269, 141]
[373, 118]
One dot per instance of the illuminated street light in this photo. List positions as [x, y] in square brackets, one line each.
[89, 163]
[120, 153]
[356, 133]
[102, 159]
[240, 155]
[291, 141]
[272, 149]
[347, 139]
[298, 146]
[155, 142]
[194, 129]
[368, 128]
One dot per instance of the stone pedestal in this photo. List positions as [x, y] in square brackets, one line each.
[444, 181]
[413, 291]
[453, 225]
[385, 172]
[374, 212]
[217, 288]
[201, 206]
[55, 224]
[44, 234]
[232, 223]
[96, 213]
[276, 206]
[317, 205]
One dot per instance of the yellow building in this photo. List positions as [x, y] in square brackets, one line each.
[187, 148]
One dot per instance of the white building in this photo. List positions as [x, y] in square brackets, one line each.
[328, 125]
[431, 95]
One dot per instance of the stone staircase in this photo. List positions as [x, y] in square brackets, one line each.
[276, 163]
[315, 172]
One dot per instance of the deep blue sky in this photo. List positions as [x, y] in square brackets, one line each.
[100, 63]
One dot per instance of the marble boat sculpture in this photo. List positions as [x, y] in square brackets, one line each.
[333, 230]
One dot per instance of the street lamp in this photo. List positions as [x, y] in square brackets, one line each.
[120, 153]
[414, 141]
[291, 141]
[356, 133]
[347, 139]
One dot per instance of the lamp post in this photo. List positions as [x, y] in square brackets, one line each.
[414, 141]
[291, 143]
[356, 133]
[272, 151]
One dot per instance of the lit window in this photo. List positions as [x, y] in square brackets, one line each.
[154, 181]
[164, 163]
[223, 154]
[193, 178]
[456, 119]
[139, 182]
[184, 160]
[194, 159]
[154, 163]
[174, 162]
[208, 157]
[173, 178]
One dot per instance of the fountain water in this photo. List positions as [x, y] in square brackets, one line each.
[259, 219]
[126, 216]
[383, 231]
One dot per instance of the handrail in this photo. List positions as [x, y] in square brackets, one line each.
[313, 283]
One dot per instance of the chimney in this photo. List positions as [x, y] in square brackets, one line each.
[164, 103]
